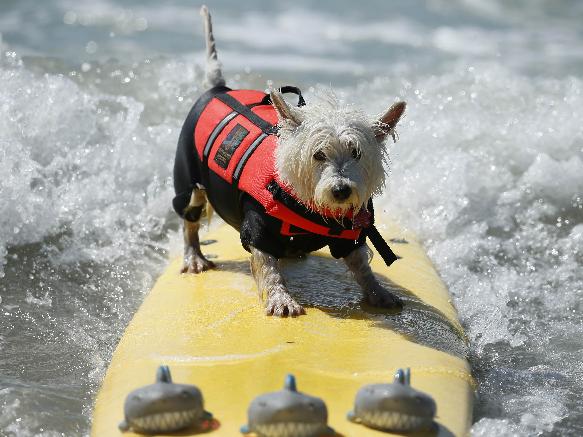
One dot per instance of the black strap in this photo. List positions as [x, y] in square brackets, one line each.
[246, 112]
[381, 245]
[286, 89]
[290, 202]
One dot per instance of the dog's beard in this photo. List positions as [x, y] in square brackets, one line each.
[315, 190]
[324, 198]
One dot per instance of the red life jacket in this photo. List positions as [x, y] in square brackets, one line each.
[235, 139]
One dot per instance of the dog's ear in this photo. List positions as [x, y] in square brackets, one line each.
[387, 123]
[285, 111]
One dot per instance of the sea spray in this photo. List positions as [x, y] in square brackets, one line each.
[487, 172]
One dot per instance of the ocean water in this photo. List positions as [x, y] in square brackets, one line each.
[488, 172]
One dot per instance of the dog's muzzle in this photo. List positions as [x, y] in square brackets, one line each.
[341, 192]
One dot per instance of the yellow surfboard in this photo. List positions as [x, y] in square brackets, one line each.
[210, 329]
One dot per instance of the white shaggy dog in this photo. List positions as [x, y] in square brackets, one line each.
[323, 147]
[328, 157]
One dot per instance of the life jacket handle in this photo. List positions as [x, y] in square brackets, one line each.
[284, 90]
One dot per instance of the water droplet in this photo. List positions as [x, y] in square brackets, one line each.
[91, 47]
[70, 17]
[141, 24]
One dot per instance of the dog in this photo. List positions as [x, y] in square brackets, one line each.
[290, 179]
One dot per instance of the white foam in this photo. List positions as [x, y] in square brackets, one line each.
[487, 171]
[79, 161]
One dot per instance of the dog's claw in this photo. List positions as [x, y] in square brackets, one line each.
[383, 298]
[282, 305]
[197, 265]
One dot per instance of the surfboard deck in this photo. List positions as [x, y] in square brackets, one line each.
[212, 331]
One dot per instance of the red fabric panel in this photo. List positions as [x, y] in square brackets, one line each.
[259, 171]
[247, 97]
[266, 112]
[212, 115]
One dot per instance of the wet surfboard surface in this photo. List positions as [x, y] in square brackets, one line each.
[211, 330]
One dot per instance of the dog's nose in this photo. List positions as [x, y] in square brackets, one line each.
[341, 192]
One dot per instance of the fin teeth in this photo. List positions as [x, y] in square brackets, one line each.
[162, 422]
[392, 420]
[289, 429]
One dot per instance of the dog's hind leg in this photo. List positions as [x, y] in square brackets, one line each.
[374, 292]
[194, 260]
[213, 73]
[278, 302]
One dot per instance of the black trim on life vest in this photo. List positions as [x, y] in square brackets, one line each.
[293, 229]
[288, 200]
[246, 112]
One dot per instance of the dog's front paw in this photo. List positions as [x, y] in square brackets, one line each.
[281, 305]
[197, 264]
[379, 297]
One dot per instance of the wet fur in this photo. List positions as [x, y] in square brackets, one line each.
[336, 131]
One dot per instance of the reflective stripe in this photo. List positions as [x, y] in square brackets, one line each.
[215, 133]
[247, 155]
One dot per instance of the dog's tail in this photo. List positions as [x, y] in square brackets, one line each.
[213, 73]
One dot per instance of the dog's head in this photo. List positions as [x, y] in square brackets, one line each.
[333, 156]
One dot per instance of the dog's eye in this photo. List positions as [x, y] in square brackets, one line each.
[356, 154]
[320, 156]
